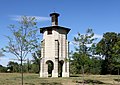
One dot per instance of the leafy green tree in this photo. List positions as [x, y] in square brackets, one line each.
[28, 65]
[73, 67]
[83, 51]
[107, 48]
[36, 59]
[13, 66]
[23, 39]
[95, 65]
[3, 69]
[116, 50]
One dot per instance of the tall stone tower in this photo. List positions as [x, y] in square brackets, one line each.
[54, 50]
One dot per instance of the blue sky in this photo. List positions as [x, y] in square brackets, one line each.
[100, 15]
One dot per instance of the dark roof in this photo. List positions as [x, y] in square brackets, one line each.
[50, 27]
[56, 14]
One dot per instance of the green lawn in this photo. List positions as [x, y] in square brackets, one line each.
[33, 79]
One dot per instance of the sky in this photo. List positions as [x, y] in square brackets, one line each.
[100, 15]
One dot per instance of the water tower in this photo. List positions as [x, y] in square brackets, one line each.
[54, 50]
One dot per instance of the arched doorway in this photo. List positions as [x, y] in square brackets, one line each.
[50, 67]
[60, 68]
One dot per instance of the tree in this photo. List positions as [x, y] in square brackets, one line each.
[108, 48]
[3, 69]
[95, 65]
[23, 39]
[36, 59]
[83, 51]
[13, 66]
[116, 60]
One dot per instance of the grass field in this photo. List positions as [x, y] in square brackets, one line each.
[33, 79]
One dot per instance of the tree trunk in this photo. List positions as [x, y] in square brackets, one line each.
[83, 73]
[118, 75]
[21, 71]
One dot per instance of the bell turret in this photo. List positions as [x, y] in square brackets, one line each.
[54, 18]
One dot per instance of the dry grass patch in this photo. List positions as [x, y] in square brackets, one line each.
[33, 79]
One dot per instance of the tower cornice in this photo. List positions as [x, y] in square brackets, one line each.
[52, 27]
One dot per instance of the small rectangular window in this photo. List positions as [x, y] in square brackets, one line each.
[49, 31]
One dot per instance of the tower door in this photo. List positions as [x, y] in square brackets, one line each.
[50, 67]
[60, 68]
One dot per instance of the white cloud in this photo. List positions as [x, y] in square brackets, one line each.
[4, 61]
[38, 18]
[98, 36]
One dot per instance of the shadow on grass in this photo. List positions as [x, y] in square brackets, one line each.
[91, 81]
[29, 84]
[118, 80]
[94, 81]
[52, 83]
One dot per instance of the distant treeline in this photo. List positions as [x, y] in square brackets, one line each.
[14, 67]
